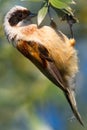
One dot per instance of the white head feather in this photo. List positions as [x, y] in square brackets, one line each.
[12, 31]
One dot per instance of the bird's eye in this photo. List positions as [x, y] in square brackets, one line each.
[20, 15]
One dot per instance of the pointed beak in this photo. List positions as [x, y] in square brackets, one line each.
[31, 15]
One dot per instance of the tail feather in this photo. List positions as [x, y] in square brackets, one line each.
[71, 99]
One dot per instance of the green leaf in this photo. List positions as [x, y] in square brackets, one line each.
[68, 1]
[62, 5]
[42, 13]
[33, 0]
[58, 4]
[68, 11]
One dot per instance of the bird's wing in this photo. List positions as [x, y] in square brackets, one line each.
[41, 57]
[48, 64]
[51, 67]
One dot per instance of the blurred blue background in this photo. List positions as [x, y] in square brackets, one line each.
[28, 100]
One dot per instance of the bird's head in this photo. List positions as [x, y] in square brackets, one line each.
[18, 16]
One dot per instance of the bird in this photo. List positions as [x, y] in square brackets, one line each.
[51, 51]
